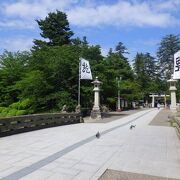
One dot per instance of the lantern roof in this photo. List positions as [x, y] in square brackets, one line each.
[96, 81]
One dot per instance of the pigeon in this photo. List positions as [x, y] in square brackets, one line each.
[132, 126]
[98, 135]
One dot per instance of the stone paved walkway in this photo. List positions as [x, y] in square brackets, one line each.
[161, 119]
[112, 116]
[73, 152]
[122, 175]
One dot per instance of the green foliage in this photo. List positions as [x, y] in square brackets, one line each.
[55, 28]
[169, 45]
[21, 112]
[1, 109]
[109, 69]
[12, 112]
[58, 67]
[18, 108]
[4, 111]
[47, 78]
[121, 49]
[65, 99]
[14, 105]
[21, 105]
[130, 90]
[145, 69]
[13, 66]
[111, 100]
[145, 66]
[25, 104]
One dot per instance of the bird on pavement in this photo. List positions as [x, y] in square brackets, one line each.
[132, 126]
[98, 135]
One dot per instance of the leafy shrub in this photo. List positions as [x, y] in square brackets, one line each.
[12, 112]
[25, 104]
[64, 98]
[111, 102]
[4, 112]
[21, 112]
[16, 109]
[15, 105]
[1, 109]
[21, 105]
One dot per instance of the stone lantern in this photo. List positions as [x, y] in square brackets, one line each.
[172, 90]
[96, 113]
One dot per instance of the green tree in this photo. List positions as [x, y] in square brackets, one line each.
[13, 67]
[47, 78]
[114, 66]
[34, 86]
[93, 54]
[58, 68]
[121, 49]
[151, 66]
[145, 66]
[55, 28]
[145, 69]
[169, 45]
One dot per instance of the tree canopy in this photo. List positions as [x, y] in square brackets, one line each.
[55, 30]
[46, 78]
[169, 45]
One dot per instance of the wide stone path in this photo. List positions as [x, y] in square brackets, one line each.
[73, 151]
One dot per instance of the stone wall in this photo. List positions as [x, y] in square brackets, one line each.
[19, 124]
[176, 124]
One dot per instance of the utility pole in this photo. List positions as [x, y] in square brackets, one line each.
[119, 98]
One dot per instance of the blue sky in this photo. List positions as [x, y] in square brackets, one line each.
[139, 24]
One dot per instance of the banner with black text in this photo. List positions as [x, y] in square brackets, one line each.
[176, 65]
[85, 70]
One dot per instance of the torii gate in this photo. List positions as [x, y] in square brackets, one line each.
[159, 96]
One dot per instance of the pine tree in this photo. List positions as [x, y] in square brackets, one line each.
[55, 28]
[121, 49]
[169, 45]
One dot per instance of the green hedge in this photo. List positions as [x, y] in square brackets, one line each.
[16, 109]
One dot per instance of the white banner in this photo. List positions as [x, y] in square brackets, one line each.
[176, 65]
[85, 69]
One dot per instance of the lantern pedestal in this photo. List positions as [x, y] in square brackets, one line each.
[96, 113]
[172, 90]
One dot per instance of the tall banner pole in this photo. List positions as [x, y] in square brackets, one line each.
[79, 84]
[84, 73]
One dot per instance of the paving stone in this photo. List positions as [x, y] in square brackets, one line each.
[60, 176]
[122, 175]
[4, 166]
[161, 118]
[37, 175]
[86, 167]
[66, 163]
[68, 171]
[118, 147]
[83, 176]
[10, 170]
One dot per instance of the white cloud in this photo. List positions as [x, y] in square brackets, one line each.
[122, 13]
[18, 24]
[170, 5]
[35, 9]
[24, 12]
[24, 9]
[86, 13]
[17, 44]
[104, 51]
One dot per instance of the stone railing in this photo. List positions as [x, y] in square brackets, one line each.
[18, 124]
[176, 123]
